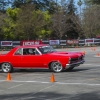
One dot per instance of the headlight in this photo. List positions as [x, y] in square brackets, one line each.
[69, 60]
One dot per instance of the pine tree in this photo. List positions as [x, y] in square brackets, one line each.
[92, 2]
[73, 33]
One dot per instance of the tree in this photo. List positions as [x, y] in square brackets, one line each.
[31, 23]
[39, 4]
[65, 22]
[2, 17]
[80, 4]
[92, 2]
[18, 3]
[10, 23]
[59, 24]
[74, 22]
[59, 18]
[4, 4]
[91, 25]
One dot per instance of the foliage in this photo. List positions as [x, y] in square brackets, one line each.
[39, 4]
[92, 2]
[8, 28]
[71, 7]
[33, 22]
[71, 27]
[91, 25]
[73, 22]
[4, 4]
[35, 19]
[2, 17]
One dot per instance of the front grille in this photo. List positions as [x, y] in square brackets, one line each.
[73, 60]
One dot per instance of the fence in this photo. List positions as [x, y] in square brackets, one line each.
[57, 43]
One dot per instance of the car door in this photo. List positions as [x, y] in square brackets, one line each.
[31, 59]
[15, 59]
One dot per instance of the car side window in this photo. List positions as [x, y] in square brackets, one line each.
[30, 51]
[18, 52]
[37, 53]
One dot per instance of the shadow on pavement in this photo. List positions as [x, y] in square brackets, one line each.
[51, 96]
[43, 70]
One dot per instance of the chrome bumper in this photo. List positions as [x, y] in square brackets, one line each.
[75, 64]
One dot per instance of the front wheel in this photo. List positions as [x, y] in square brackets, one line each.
[6, 67]
[56, 67]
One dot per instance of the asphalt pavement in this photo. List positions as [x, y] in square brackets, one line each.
[82, 83]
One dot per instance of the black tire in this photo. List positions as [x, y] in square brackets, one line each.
[56, 67]
[6, 67]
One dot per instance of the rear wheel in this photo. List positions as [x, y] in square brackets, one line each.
[56, 67]
[6, 67]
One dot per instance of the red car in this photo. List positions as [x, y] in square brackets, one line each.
[39, 57]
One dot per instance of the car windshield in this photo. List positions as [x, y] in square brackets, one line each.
[46, 49]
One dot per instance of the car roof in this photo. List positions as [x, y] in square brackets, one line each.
[30, 46]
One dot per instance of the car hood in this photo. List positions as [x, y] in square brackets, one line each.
[68, 54]
[78, 53]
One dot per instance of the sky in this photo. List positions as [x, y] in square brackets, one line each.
[76, 5]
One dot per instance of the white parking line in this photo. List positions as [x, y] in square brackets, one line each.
[15, 86]
[90, 64]
[12, 87]
[88, 84]
[2, 81]
[60, 83]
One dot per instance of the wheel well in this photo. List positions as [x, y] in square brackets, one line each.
[5, 62]
[1, 64]
[51, 63]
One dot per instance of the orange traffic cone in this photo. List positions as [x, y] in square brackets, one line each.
[8, 77]
[91, 48]
[79, 48]
[98, 54]
[52, 78]
[84, 52]
[94, 49]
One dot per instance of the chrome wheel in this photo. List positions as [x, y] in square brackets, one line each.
[6, 67]
[56, 67]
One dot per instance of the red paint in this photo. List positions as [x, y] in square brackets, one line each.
[37, 61]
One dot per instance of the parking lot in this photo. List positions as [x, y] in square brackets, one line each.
[82, 83]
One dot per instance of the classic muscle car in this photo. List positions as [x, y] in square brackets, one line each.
[39, 57]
